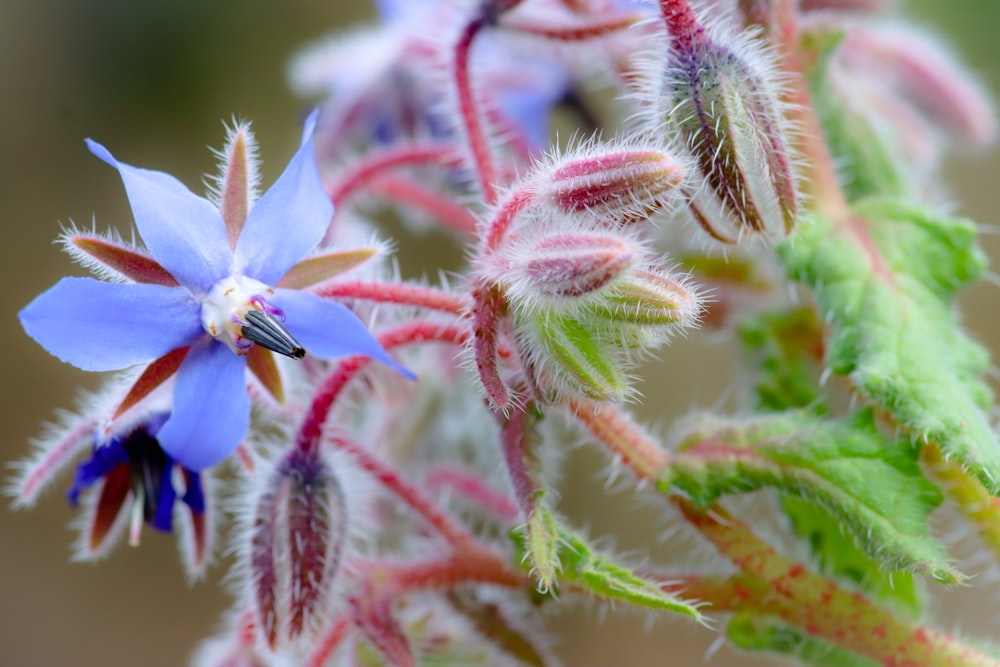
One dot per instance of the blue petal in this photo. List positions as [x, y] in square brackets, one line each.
[103, 459]
[164, 518]
[288, 221]
[183, 231]
[99, 326]
[328, 329]
[211, 410]
[529, 106]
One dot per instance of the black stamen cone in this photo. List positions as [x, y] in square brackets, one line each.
[268, 332]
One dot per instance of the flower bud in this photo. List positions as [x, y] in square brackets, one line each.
[568, 265]
[649, 299]
[570, 352]
[298, 535]
[623, 186]
[721, 102]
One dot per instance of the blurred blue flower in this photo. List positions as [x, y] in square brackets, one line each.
[224, 301]
[136, 463]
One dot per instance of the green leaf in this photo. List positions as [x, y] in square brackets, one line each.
[872, 484]
[581, 566]
[884, 280]
[543, 546]
[838, 555]
[787, 345]
[752, 632]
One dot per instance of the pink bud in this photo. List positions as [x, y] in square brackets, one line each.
[624, 186]
[298, 536]
[918, 69]
[560, 266]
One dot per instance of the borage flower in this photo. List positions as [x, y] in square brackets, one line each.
[135, 478]
[214, 290]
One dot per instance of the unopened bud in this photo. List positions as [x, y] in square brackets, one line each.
[572, 353]
[917, 68]
[298, 536]
[647, 298]
[570, 265]
[622, 186]
[723, 108]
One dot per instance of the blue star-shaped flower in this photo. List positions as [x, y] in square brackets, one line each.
[212, 291]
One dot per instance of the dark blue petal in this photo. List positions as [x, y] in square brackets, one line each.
[99, 326]
[194, 496]
[328, 329]
[164, 519]
[211, 410]
[288, 220]
[103, 459]
[183, 232]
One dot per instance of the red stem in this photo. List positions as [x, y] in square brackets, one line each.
[331, 639]
[575, 33]
[408, 192]
[408, 295]
[481, 155]
[450, 529]
[364, 170]
[420, 331]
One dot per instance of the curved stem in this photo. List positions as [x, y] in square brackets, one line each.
[482, 157]
[401, 294]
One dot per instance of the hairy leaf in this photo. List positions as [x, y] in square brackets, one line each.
[870, 483]
[883, 279]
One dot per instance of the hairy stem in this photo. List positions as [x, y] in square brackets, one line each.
[970, 497]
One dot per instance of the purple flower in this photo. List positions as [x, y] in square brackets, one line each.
[136, 463]
[219, 285]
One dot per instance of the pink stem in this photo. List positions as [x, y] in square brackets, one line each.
[575, 33]
[506, 213]
[471, 486]
[683, 25]
[363, 171]
[409, 192]
[450, 529]
[408, 295]
[486, 318]
[311, 431]
[331, 639]
[481, 156]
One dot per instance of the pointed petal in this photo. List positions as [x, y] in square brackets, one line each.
[99, 326]
[121, 259]
[288, 220]
[183, 232]
[328, 329]
[155, 374]
[114, 493]
[237, 182]
[318, 268]
[262, 364]
[211, 410]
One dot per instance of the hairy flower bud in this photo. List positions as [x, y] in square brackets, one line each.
[298, 536]
[564, 266]
[622, 186]
[650, 299]
[721, 103]
[570, 352]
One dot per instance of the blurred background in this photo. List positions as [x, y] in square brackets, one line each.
[152, 81]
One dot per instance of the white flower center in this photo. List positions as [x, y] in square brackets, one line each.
[224, 310]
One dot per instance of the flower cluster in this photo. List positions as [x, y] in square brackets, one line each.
[386, 520]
